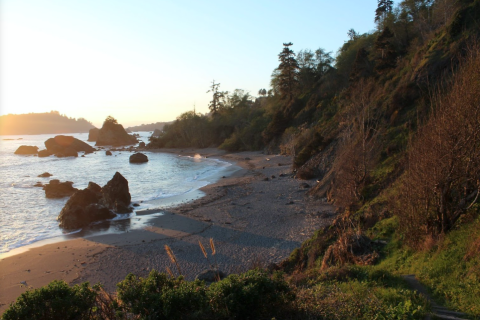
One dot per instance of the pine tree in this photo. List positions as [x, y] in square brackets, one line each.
[384, 7]
[287, 72]
[217, 97]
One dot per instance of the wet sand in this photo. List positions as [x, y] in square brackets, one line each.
[256, 216]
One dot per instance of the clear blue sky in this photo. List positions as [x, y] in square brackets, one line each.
[145, 61]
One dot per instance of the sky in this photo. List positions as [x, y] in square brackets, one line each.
[145, 61]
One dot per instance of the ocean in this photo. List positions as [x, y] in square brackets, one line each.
[27, 216]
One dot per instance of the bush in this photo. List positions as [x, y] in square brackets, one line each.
[55, 301]
[251, 295]
[161, 297]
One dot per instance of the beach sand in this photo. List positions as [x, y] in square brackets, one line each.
[256, 216]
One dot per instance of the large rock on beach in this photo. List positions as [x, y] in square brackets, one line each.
[116, 195]
[113, 134]
[67, 146]
[27, 150]
[138, 158]
[57, 189]
[95, 203]
[93, 134]
[81, 209]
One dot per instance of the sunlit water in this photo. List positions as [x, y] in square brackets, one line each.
[27, 216]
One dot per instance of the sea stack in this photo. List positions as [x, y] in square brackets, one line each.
[113, 134]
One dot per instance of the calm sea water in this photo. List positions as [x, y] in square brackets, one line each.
[27, 216]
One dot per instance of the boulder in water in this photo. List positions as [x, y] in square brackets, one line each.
[45, 175]
[93, 134]
[27, 150]
[65, 144]
[81, 209]
[95, 203]
[108, 153]
[113, 134]
[44, 153]
[116, 194]
[67, 152]
[57, 189]
[138, 158]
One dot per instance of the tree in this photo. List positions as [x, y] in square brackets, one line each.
[110, 120]
[217, 98]
[383, 9]
[352, 34]
[386, 51]
[287, 72]
[442, 180]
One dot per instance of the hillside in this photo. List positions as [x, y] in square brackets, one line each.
[40, 123]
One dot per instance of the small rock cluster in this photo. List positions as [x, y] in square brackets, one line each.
[96, 203]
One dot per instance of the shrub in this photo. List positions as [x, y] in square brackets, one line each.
[251, 295]
[161, 297]
[55, 301]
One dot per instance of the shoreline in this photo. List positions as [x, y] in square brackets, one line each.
[256, 216]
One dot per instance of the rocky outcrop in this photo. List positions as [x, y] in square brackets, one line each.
[138, 158]
[44, 153]
[141, 144]
[57, 189]
[116, 195]
[108, 153]
[27, 150]
[45, 175]
[83, 208]
[67, 152]
[95, 203]
[113, 134]
[93, 134]
[67, 146]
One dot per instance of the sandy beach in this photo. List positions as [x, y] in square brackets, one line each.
[256, 216]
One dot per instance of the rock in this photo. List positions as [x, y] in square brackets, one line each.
[114, 134]
[93, 134]
[45, 175]
[304, 185]
[116, 194]
[273, 177]
[57, 189]
[44, 153]
[92, 186]
[81, 209]
[67, 152]
[138, 158]
[247, 158]
[210, 275]
[38, 184]
[27, 150]
[136, 205]
[266, 179]
[66, 145]
[95, 203]
[141, 144]
[108, 153]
